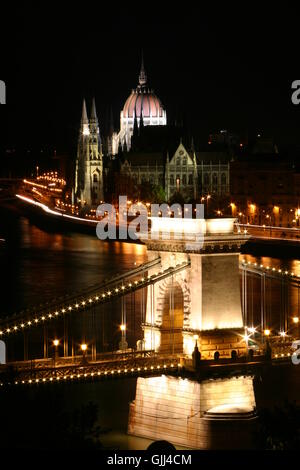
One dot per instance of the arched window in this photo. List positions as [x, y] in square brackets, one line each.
[206, 179]
[215, 179]
[190, 178]
[184, 161]
[183, 180]
[178, 161]
[172, 180]
[95, 178]
[223, 179]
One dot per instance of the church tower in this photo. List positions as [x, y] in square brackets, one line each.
[89, 164]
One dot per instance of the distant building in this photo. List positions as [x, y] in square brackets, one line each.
[89, 162]
[188, 172]
[263, 185]
[142, 108]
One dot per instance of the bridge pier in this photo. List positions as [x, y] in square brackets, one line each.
[203, 300]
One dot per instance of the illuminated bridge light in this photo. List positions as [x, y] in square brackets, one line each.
[8, 330]
[44, 380]
[51, 379]
[1, 332]
[105, 373]
[108, 293]
[123, 287]
[98, 373]
[119, 371]
[132, 370]
[152, 367]
[37, 380]
[29, 323]
[63, 310]
[57, 378]
[43, 318]
[70, 308]
[97, 298]
[125, 370]
[116, 290]
[112, 372]
[145, 368]
[50, 315]
[15, 327]
[36, 320]
[76, 305]
[71, 376]
[83, 303]
[90, 300]
[65, 377]
[103, 295]
[165, 366]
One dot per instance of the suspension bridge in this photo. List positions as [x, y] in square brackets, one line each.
[182, 295]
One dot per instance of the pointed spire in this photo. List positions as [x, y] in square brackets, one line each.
[192, 145]
[84, 118]
[141, 120]
[93, 110]
[111, 122]
[142, 76]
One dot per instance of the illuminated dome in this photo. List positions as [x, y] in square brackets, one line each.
[143, 101]
[141, 104]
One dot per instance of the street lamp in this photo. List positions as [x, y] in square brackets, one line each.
[123, 345]
[55, 344]
[83, 348]
[297, 324]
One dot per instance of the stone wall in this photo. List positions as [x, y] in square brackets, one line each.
[175, 409]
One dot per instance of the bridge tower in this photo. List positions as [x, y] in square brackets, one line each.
[203, 300]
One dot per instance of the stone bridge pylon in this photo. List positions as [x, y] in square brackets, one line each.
[204, 300]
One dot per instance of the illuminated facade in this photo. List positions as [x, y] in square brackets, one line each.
[187, 172]
[203, 299]
[89, 164]
[142, 108]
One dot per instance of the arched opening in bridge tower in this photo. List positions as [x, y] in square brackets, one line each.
[172, 320]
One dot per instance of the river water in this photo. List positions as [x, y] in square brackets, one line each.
[39, 265]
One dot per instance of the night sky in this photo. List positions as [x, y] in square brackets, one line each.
[217, 68]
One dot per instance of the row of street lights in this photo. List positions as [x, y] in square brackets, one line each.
[84, 346]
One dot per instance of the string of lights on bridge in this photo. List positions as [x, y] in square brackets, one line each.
[84, 303]
[271, 269]
[137, 371]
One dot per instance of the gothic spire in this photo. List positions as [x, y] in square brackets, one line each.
[142, 76]
[84, 118]
[93, 110]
